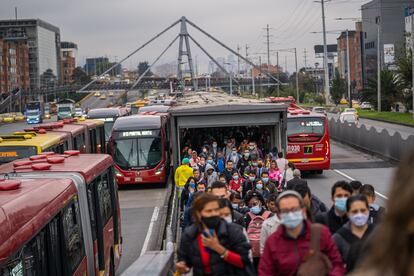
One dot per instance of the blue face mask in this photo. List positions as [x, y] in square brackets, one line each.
[259, 186]
[210, 161]
[265, 179]
[292, 220]
[359, 219]
[192, 185]
[340, 204]
[235, 206]
[236, 177]
[256, 210]
[252, 178]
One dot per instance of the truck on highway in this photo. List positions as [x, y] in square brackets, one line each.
[35, 111]
[65, 109]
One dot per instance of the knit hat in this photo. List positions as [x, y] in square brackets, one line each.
[185, 161]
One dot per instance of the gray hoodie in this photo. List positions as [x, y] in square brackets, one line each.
[210, 178]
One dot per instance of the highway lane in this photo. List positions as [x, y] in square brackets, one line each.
[404, 131]
[348, 164]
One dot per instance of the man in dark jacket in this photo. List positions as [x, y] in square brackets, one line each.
[229, 170]
[336, 216]
[243, 162]
[290, 185]
[286, 248]
[229, 235]
[312, 202]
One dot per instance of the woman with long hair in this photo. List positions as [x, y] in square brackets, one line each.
[211, 246]
[391, 250]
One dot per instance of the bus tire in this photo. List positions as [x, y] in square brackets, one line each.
[319, 172]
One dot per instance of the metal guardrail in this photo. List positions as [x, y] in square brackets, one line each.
[392, 147]
[8, 103]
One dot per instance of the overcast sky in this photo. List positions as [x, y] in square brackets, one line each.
[116, 28]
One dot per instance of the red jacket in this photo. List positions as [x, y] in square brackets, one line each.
[282, 255]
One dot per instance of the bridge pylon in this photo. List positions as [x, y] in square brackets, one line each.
[184, 39]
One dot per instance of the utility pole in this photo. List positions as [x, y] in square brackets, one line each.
[379, 68]
[348, 68]
[305, 56]
[278, 73]
[297, 76]
[260, 79]
[325, 55]
[268, 51]
[286, 64]
[238, 61]
[412, 58]
[247, 57]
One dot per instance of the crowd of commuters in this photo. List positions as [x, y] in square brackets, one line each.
[249, 216]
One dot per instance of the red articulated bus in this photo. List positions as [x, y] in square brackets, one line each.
[40, 228]
[139, 145]
[108, 116]
[308, 138]
[94, 179]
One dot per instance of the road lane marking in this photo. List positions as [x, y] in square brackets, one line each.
[352, 179]
[149, 232]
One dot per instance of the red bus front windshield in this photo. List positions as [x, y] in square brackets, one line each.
[138, 152]
[305, 125]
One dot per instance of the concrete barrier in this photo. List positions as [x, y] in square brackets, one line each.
[392, 147]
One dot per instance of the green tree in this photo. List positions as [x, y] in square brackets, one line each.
[391, 90]
[338, 88]
[80, 77]
[405, 71]
[142, 67]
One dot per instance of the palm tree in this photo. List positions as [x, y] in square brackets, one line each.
[338, 88]
[391, 90]
[405, 71]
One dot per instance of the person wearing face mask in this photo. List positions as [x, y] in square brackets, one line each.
[336, 216]
[220, 162]
[376, 212]
[253, 221]
[236, 182]
[253, 166]
[210, 175]
[271, 224]
[259, 187]
[286, 249]
[229, 214]
[352, 236]
[268, 183]
[188, 191]
[205, 152]
[214, 149]
[234, 157]
[211, 246]
[244, 162]
[228, 149]
[248, 184]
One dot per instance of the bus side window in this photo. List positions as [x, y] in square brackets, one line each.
[73, 241]
[104, 197]
[92, 139]
[66, 146]
[91, 207]
[14, 266]
[54, 233]
[34, 255]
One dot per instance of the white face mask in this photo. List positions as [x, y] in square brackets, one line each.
[228, 219]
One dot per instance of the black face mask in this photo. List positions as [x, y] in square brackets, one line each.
[211, 222]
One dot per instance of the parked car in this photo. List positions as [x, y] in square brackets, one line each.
[111, 94]
[103, 97]
[366, 105]
[348, 117]
[351, 110]
[319, 109]
[97, 94]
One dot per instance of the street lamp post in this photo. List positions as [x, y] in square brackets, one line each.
[231, 81]
[325, 55]
[348, 68]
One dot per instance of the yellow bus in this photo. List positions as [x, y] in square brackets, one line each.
[25, 144]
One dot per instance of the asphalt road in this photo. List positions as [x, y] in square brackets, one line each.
[404, 131]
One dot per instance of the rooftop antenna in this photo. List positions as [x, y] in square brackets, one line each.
[15, 12]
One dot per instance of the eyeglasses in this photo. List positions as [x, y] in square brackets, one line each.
[285, 211]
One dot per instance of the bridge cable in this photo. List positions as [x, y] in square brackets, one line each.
[234, 52]
[131, 54]
[155, 61]
[212, 59]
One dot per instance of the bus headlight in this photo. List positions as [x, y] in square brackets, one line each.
[118, 173]
[159, 171]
